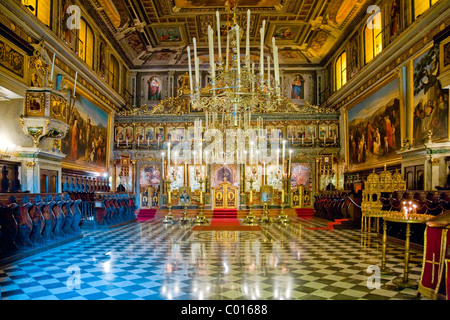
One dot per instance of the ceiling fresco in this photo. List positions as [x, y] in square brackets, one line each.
[306, 31]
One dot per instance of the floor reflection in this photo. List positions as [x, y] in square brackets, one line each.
[151, 260]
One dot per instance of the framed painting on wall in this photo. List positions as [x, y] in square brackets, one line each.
[374, 130]
[300, 175]
[430, 104]
[177, 174]
[150, 175]
[192, 171]
[86, 143]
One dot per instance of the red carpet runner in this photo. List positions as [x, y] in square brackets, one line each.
[226, 220]
[145, 214]
[225, 217]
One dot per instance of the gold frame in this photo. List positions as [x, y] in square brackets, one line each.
[181, 27]
[266, 189]
[410, 93]
[188, 190]
[443, 68]
[203, 170]
[26, 62]
[354, 168]
[90, 97]
[274, 24]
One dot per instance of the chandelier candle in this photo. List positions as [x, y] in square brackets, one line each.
[218, 36]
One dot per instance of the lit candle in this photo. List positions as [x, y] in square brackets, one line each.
[218, 36]
[261, 53]
[264, 173]
[289, 168]
[268, 71]
[53, 66]
[282, 195]
[196, 62]
[211, 53]
[168, 155]
[238, 55]
[251, 195]
[185, 173]
[284, 151]
[247, 40]
[162, 164]
[277, 70]
[75, 83]
[190, 68]
[278, 159]
[227, 51]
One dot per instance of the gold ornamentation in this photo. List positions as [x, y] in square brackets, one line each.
[29, 164]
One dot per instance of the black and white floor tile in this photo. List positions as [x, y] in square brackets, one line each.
[154, 261]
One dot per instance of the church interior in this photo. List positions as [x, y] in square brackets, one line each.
[224, 150]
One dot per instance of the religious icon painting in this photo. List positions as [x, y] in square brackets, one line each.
[159, 134]
[333, 131]
[291, 133]
[184, 198]
[150, 175]
[154, 88]
[298, 87]
[177, 175]
[257, 173]
[119, 135]
[180, 134]
[194, 173]
[171, 134]
[139, 136]
[323, 131]
[300, 175]
[35, 104]
[149, 134]
[266, 194]
[301, 131]
[311, 131]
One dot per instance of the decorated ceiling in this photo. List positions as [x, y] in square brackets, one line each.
[154, 31]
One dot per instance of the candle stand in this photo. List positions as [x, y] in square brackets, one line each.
[250, 218]
[200, 218]
[169, 218]
[282, 217]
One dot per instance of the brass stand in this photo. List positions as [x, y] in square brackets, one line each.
[282, 217]
[185, 218]
[265, 216]
[169, 218]
[383, 268]
[200, 218]
[250, 218]
[404, 282]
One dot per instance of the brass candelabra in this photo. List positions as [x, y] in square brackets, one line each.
[169, 218]
[201, 219]
[282, 217]
[250, 218]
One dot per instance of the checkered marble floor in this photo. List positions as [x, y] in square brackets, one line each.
[154, 261]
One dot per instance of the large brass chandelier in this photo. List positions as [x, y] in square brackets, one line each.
[236, 90]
